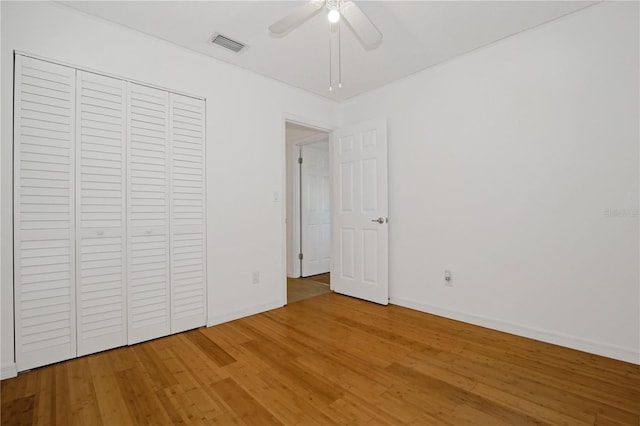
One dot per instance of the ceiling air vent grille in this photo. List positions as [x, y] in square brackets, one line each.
[227, 43]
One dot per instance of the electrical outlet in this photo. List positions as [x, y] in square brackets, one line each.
[255, 278]
[448, 280]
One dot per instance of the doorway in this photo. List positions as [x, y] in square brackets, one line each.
[307, 211]
[359, 222]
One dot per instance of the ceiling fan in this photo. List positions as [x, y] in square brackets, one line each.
[362, 27]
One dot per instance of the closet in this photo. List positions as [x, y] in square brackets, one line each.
[109, 212]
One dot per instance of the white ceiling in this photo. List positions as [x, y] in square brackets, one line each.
[416, 35]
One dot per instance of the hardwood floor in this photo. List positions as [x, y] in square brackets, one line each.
[321, 278]
[330, 360]
[303, 288]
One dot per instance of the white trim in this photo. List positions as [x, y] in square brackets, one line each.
[205, 234]
[306, 122]
[321, 136]
[244, 312]
[8, 371]
[585, 345]
[296, 267]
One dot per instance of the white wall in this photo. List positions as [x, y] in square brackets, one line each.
[245, 147]
[502, 164]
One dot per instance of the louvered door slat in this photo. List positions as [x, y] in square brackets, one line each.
[148, 214]
[188, 260]
[44, 249]
[100, 213]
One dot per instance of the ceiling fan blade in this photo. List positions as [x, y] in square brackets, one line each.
[364, 29]
[297, 17]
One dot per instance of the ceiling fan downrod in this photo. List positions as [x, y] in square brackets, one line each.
[330, 65]
[331, 58]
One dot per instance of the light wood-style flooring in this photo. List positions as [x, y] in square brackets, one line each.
[303, 288]
[321, 278]
[326, 360]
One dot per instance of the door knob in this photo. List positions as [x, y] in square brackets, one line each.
[379, 220]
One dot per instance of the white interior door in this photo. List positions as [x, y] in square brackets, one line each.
[359, 225]
[315, 232]
[100, 213]
[44, 208]
[148, 214]
[188, 258]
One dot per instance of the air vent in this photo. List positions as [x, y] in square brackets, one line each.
[227, 43]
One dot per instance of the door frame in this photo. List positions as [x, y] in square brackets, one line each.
[312, 124]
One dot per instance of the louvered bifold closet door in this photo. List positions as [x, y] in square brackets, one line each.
[188, 260]
[100, 214]
[148, 214]
[45, 323]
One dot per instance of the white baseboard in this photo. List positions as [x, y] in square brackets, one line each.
[244, 312]
[8, 371]
[585, 345]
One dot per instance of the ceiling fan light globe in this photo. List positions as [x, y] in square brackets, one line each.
[333, 16]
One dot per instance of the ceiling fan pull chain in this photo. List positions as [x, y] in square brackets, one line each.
[330, 79]
[339, 58]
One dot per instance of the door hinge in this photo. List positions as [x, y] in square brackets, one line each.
[300, 256]
[299, 160]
